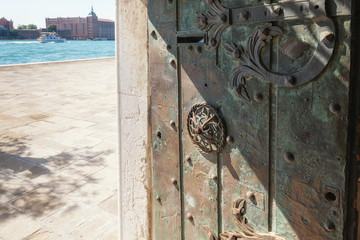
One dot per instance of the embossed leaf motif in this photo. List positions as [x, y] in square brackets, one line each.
[250, 63]
[247, 231]
[213, 22]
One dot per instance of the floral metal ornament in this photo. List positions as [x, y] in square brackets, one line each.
[214, 23]
[250, 63]
[247, 231]
[206, 128]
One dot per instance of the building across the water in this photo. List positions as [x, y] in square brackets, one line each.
[5, 27]
[90, 27]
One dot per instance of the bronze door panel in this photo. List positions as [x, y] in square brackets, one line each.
[276, 89]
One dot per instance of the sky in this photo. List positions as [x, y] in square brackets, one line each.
[24, 12]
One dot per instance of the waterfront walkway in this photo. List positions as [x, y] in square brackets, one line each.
[58, 167]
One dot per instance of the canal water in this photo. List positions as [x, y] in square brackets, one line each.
[23, 51]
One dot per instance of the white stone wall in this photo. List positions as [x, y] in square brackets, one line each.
[135, 161]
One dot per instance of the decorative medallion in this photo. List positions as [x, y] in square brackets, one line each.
[247, 231]
[206, 128]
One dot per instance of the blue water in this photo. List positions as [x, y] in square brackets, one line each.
[23, 51]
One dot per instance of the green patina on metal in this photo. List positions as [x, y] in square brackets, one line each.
[282, 90]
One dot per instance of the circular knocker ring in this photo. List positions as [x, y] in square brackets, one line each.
[206, 128]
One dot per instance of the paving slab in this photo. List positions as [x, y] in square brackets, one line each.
[58, 165]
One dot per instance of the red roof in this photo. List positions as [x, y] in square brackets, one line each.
[105, 20]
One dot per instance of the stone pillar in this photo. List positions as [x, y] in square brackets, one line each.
[133, 102]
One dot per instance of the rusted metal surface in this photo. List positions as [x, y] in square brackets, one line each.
[286, 146]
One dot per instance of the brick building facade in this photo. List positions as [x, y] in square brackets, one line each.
[90, 27]
[9, 25]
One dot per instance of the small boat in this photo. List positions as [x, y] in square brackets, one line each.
[47, 37]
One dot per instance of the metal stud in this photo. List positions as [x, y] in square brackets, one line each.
[258, 97]
[243, 15]
[189, 217]
[289, 157]
[198, 50]
[213, 42]
[330, 226]
[230, 139]
[250, 195]
[188, 158]
[170, 2]
[214, 176]
[291, 81]
[158, 199]
[174, 181]
[168, 47]
[334, 108]
[173, 124]
[173, 63]
[190, 48]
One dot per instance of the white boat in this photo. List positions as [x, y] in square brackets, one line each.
[47, 37]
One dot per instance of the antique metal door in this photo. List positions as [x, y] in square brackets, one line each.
[249, 118]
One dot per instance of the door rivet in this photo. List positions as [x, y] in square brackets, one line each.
[243, 15]
[214, 176]
[276, 11]
[334, 108]
[198, 50]
[330, 226]
[173, 63]
[213, 42]
[173, 181]
[188, 158]
[327, 37]
[172, 124]
[189, 217]
[230, 139]
[190, 48]
[289, 157]
[258, 97]
[158, 199]
[153, 34]
[250, 196]
[291, 81]
[168, 47]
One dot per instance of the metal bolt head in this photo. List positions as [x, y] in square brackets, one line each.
[334, 108]
[258, 97]
[223, 18]
[188, 158]
[250, 195]
[230, 139]
[172, 124]
[214, 176]
[243, 15]
[158, 198]
[168, 47]
[330, 226]
[198, 50]
[289, 157]
[173, 63]
[291, 81]
[173, 181]
[189, 217]
[276, 11]
[213, 42]
[327, 37]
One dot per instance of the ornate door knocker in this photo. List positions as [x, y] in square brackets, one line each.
[206, 128]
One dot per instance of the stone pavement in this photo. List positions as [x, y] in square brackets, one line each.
[58, 164]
